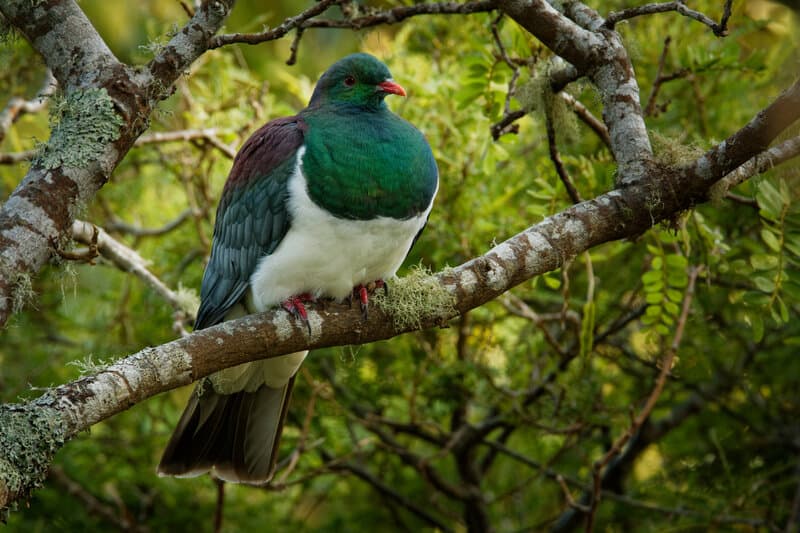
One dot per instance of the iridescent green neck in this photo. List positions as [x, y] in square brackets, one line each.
[366, 164]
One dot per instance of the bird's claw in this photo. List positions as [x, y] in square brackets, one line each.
[296, 306]
[362, 292]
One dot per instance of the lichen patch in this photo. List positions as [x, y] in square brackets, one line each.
[83, 123]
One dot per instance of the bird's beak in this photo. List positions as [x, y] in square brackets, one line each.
[391, 87]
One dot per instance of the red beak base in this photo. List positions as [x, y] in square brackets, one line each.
[389, 86]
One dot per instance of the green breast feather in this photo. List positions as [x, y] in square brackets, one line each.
[363, 167]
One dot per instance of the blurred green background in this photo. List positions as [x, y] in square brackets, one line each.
[721, 448]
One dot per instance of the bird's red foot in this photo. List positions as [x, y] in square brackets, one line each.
[362, 293]
[296, 306]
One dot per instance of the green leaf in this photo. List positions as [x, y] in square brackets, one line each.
[764, 284]
[653, 310]
[764, 262]
[655, 287]
[662, 330]
[757, 326]
[770, 240]
[552, 282]
[677, 262]
[654, 298]
[677, 279]
[671, 308]
[651, 277]
[784, 311]
[769, 201]
[656, 263]
[674, 295]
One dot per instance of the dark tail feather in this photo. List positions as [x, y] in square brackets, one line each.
[235, 434]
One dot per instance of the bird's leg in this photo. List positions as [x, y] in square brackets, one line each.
[296, 306]
[380, 284]
[362, 292]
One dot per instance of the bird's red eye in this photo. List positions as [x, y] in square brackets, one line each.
[349, 81]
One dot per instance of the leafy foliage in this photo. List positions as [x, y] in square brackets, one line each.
[541, 383]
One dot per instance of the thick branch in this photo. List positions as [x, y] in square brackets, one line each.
[70, 46]
[751, 140]
[111, 104]
[601, 56]
[619, 214]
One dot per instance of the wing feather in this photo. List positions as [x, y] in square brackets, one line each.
[252, 216]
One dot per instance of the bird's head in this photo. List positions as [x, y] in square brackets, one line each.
[358, 79]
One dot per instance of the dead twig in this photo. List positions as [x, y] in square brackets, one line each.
[662, 78]
[666, 365]
[720, 28]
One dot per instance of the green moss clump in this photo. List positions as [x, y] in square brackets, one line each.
[415, 297]
[22, 292]
[82, 124]
[31, 434]
[672, 152]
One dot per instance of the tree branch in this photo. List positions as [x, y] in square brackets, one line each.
[306, 20]
[601, 56]
[109, 105]
[720, 29]
[666, 366]
[622, 213]
[125, 259]
[17, 107]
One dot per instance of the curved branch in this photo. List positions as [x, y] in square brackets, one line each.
[63, 412]
[600, 55]
[109, 105]
[720, 29]
[276, 33]
[125, 259]
[395, 15]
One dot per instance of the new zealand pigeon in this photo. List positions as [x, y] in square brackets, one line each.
[320, 204]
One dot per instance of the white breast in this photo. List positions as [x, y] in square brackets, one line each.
[328, 256]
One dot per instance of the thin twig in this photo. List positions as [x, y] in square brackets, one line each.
[382, 488]
[666, 365]
[506, 124]
[720, 29]
[568, 495]
[298, 34]
[739, 199]
[399, 14]
[121, 226]
[517, 306]
[207, 134]
[587, 117]
[515, 67]
[124, 258]
[219, 509]
[16, 107]
[555, 156]
[12, 158]
[661, 78]
[93, 505]
[276, 33]
[189, 10]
